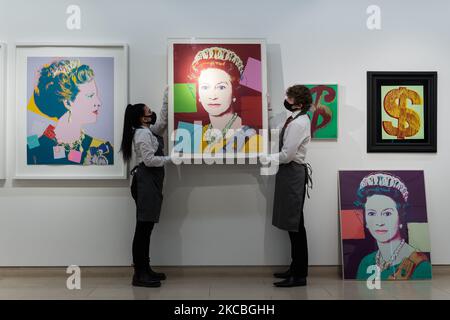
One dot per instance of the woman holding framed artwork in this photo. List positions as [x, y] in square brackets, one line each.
[142, 131]
[291, 183]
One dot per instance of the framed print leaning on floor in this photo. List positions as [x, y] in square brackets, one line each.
[384, 225]
[401, 111]
[69, 111]
[217, 97]
[2, 110]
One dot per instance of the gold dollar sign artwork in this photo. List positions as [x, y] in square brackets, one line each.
[395, 105]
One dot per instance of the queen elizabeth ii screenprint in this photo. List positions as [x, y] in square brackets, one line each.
[217, 99]
[384, 225]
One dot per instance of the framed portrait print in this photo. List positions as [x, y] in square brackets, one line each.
[70, 102]
[384, 225]
[324, 117]
[401, 111]
[2, 110]
[217, 97]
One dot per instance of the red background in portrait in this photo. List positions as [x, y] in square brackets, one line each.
[251, 100]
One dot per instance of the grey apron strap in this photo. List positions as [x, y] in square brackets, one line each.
[308, 180]
[133, 171]
[133, 187]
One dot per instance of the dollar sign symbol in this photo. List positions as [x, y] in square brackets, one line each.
[408, 119]
[321, 110]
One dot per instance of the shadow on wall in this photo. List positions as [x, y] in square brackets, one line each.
[181, 181]
[276, 89]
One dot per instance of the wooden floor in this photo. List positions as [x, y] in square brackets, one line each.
[210, 283]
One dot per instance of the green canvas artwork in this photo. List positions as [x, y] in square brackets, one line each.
[325, 111]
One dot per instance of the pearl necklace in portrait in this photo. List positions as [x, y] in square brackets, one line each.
[383, 264]
[211, 136]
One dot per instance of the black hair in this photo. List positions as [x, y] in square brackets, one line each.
[301, 95]
[132, 120]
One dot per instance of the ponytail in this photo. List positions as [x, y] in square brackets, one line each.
[130, 123]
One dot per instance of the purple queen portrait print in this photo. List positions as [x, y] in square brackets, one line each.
[383, 223]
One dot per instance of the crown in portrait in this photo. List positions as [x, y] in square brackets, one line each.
[381, 179]
[218, 53]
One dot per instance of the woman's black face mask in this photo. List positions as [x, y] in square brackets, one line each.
[151, 119]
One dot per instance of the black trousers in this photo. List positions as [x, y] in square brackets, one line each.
[299, 252]
[299, 247]
[141, 244]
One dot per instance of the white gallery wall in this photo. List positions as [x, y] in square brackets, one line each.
[221, 215]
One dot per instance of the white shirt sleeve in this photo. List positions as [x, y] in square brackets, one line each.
[161, 121]
[147, 149]
[294, 135]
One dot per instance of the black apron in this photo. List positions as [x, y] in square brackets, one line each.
[146, 188]
[291, 184]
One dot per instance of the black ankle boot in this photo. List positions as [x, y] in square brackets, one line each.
[157, 275]
[292, 281]
[143, 278]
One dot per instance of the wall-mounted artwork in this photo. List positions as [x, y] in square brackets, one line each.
[217, 97]
[324, 117]
[2, 110]
[384, 225]
[70, 108]
[402, 111]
